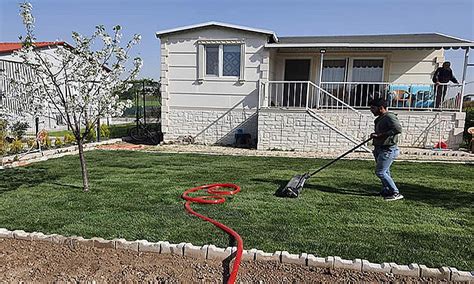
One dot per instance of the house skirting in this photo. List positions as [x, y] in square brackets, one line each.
[296, 130]
[211, 126]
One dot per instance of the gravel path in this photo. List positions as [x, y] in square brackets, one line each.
[406, 154]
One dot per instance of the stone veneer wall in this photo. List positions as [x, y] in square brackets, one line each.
[297, 130]
[211, 126]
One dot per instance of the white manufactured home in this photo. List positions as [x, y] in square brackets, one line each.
[11, 67]
[222, 81]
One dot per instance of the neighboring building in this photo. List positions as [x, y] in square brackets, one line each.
[468, 98]
[303, 93]
[9, 66]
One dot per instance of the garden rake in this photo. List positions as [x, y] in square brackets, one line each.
[295, 185]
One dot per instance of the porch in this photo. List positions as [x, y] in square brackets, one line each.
[330, 71]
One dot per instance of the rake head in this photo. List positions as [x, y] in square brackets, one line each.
[293, 187]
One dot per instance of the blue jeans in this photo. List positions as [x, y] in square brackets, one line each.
[384, 156]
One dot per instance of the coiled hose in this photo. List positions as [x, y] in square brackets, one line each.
[216, 197]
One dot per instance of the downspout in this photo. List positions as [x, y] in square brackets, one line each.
[464, 71]
[322, 52]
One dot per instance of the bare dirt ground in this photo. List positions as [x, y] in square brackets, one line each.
[37, 261]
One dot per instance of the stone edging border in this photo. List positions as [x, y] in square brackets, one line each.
[9, 162]
[215, 253]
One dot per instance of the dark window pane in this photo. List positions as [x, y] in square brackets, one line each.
[212, 60]
[231, 64]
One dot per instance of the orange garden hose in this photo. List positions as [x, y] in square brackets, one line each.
[216, 197]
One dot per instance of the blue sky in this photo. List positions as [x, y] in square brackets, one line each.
[56, 19]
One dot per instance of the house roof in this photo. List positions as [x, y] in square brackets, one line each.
[217, 24]
[427, 40]
[8, 47]
[417, 40]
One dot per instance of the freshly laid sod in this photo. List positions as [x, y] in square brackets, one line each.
[136, 195]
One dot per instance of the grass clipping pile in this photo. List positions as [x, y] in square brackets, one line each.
[34, 261]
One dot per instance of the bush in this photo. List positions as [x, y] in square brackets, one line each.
[31, 143]
[469, 122]
[58, 143]
[69, 139]
[16, 146]
[104, 131]
[46, 143]
[91, 136]
[3, 135]
[4, 145]
[19, 129]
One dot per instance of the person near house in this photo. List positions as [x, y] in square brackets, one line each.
[442, 75]
[385, 139]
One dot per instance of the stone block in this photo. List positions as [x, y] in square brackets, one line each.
[55, 238]
[177, 249]
[82, 241]
[376, 267]
[145, 246]
[286, 257]
[464, 276]
[267, 256]
[321, 262]
[442, 273]
[75, 240]
[249, 255]
[101, 243]
[21, 235]
[216, 253]
[36, 236]
[460, 116]
[126, 245]
[355, 264]
[412, 269]
[4, 233]
[164, 247]
[199, 252]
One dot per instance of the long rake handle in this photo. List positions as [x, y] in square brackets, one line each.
[340, 157]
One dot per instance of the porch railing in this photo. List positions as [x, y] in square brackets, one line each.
[307, 95]
[398, 96]
[357, 95]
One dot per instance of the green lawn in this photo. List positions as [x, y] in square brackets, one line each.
[137, 196]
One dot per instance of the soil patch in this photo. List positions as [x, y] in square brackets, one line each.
[38, 261]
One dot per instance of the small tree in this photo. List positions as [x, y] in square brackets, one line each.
[79, 83]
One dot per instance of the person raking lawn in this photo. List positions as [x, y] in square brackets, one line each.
[385, 139]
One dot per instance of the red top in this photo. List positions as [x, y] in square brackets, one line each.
[6, 47]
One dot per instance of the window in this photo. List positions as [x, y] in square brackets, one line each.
[231, 61]
[212, 60]
[223, 60]
[334, 70]
[367, 70]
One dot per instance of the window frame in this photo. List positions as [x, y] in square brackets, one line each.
[350, 65]
[220, 62]
[201, 63]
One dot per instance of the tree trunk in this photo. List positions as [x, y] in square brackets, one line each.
[85, 178]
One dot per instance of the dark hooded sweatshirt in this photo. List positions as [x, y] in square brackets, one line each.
[390, 128]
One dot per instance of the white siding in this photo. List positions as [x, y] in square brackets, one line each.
[181, 88]
[414, 66]
[400, 66]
